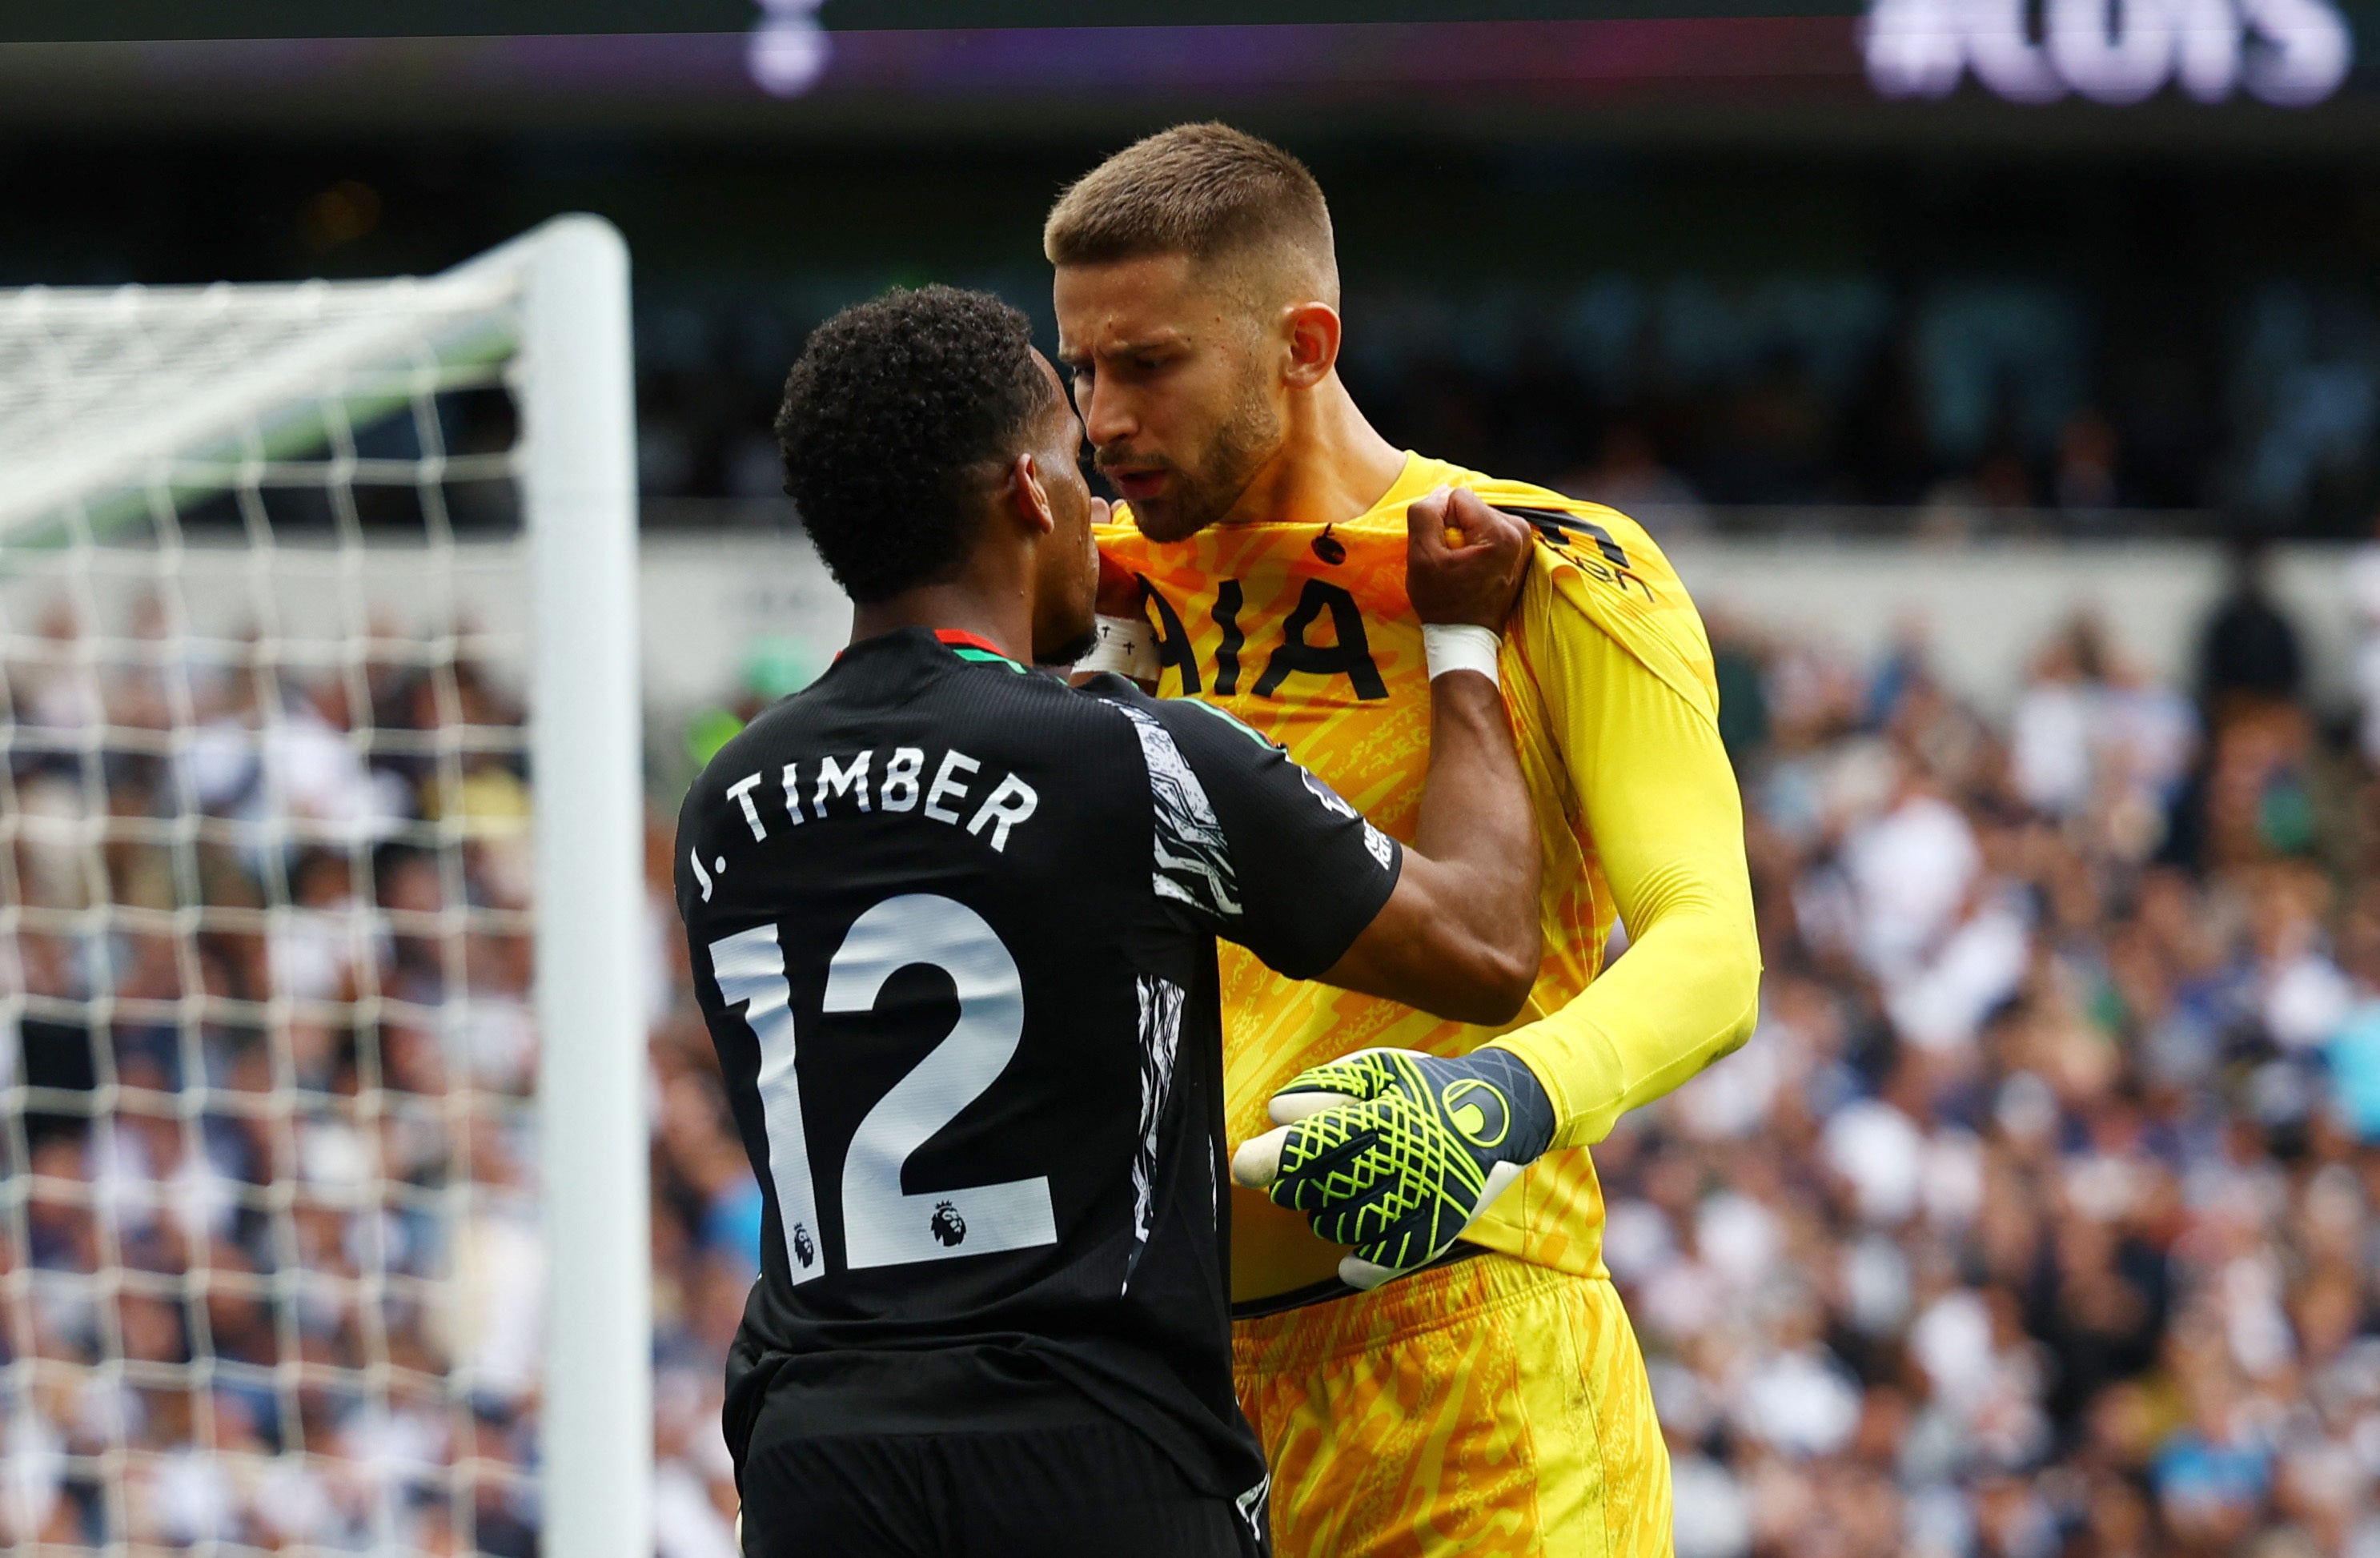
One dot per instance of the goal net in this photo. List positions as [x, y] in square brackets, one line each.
[322, 1143]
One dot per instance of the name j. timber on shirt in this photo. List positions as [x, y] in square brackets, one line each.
[862, 785]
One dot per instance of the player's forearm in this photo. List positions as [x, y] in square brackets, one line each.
[1479, 833]
[1458, 937]
[1685, 994]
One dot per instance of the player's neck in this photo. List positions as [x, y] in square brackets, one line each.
[998, 611]
[1332, 465]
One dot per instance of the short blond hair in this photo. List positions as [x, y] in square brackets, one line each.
[1207, 191]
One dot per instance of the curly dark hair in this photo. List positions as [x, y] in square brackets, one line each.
[892, 405]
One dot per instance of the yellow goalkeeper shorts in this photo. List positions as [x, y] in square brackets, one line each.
[1490, 1406]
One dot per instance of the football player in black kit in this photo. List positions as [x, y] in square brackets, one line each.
[952, 925]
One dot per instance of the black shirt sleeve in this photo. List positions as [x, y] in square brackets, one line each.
[1253, 845]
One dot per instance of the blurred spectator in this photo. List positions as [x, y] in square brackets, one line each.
[1627, 475]
[2248, 647]
[2085, 478]
[1743, 701]
[773, 668]
[2050, 738]
[2364, 600]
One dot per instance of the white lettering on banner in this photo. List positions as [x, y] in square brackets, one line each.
[2288, 52]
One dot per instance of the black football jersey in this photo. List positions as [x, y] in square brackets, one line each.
[952, 925]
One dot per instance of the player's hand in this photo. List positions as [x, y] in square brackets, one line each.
[1119, 586]
[1397, 1152]
[1463, 560]
[1125, 643]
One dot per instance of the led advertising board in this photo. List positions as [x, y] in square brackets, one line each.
[694, 58]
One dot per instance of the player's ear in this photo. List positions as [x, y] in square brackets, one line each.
[1029, 498]
[1313, 330]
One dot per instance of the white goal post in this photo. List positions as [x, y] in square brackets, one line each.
[580, 485]
[285, 870]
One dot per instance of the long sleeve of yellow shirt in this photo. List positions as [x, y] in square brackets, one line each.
[1660, 798]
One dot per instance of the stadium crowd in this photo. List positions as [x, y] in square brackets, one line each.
[1697, 403]
[269, 1253]
[2037, 1219]
[1768, 411]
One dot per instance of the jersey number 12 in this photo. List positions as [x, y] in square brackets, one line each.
[884, 1225]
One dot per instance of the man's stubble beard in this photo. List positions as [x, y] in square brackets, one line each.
[1242, 445]
[1071, 651]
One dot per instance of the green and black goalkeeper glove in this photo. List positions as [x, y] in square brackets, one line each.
[1397, 1152]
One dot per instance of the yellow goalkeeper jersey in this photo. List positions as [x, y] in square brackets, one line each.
[1305, 632]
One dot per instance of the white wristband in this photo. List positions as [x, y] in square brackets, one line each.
[1460, 646]
[1127, 646]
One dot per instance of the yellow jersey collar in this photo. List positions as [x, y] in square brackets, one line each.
[1419, 475]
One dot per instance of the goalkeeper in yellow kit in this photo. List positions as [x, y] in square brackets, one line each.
[1491, 1399]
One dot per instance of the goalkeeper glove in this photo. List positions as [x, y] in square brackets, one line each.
[1397, 1152]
